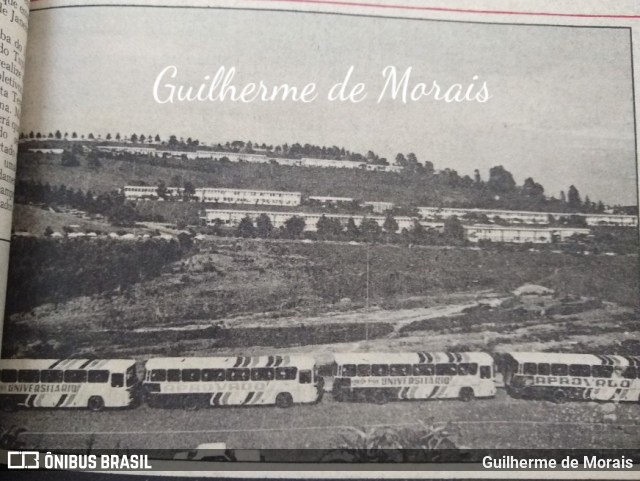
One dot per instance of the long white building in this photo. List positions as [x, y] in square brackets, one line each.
[220, 195]
[521, 234]
[527, 217]
[232, 217]
[237, 157]
[248, 196]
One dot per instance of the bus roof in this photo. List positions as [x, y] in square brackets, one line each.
[299, 361]
[571, 358]
[411, 357]
[109, 364]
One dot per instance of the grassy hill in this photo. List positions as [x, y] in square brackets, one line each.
[446, 187]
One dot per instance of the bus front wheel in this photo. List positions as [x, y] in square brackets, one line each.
[8, 406]
[284, 400]
[95, 404]
[467, 394]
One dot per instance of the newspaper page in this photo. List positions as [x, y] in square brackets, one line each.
[14, 16]
[328, 232]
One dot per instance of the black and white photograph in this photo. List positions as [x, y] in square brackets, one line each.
[245, 232]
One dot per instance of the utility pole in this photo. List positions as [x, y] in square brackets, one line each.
[366, 322]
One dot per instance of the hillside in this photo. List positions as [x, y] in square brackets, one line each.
[413, 186]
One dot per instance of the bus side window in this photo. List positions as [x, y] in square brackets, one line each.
[379, 370]
[8, 375]
[629, 373]
[238, 374]
[75, 375]
[364, 370]
[28, 375]
[544, 369]
[467, 369]
[305, 377]
[446, 370]
[286, 373]
[98, 376]
[485, 372]
[158, 375]
[212, 375]
[51, 375]
[559, 369]
[423, 369]
[349, 370]
[579, 370]
[117, 379]
[530, 368]
[399, 369]
[173, 375]
[601, 371]
[262, 374]
[190, 375]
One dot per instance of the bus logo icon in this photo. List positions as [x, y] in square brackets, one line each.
[23, 460]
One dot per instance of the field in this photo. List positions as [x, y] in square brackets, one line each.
[250, 296]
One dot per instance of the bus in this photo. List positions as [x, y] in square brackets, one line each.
[563, 377]
[67, 383]
[195, 382]
[381, 377]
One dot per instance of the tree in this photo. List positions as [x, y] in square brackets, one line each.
[390, 225]
[573, 198]
[246, 228]
[91, 136]
[352, 229]
[108, 137]
[122, 215]
[162, 190]
[142, 138]
[69, 159]
[453, 228]
[134, 138]
[532, 189]
[188, 191]
[173, 140]
[92, 160]
[294, 226]
[500, 180]
[264, 226]
[476, 177]
[370, 229]
[118, 136]
[157, 138]
[58, 135]
[74, 135]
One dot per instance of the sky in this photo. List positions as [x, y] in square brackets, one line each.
[561, 106]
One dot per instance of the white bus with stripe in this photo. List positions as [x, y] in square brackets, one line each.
[381, 377]
[231, 381]
[562, 377]
[67, 383]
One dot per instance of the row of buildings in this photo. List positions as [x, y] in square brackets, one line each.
[436, 214]
[473, 233]
[252, 158]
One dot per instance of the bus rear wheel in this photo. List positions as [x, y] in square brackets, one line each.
[380, 397]
[284, 400]
[559, 396]
[95, 404]
[190, 403]
[467, 394]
